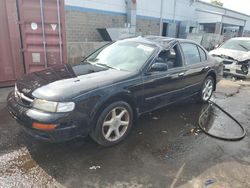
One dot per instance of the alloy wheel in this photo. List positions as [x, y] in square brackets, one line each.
[207, 89]
[115, 124]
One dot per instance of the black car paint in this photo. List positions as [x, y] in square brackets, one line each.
[93, 87]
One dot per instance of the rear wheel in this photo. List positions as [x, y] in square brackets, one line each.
[207, 89]
[113, 124]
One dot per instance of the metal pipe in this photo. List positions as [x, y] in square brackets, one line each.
[174, 10]
[44, 39]
[161, 18]
[59, 30]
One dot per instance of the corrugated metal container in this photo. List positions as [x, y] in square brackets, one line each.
[10, 59]
[32, 36]
[43, 33]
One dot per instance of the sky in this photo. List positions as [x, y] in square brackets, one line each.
[237, 5]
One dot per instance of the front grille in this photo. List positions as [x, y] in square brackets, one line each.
[227, 70]
[22, 98]
[227, 62]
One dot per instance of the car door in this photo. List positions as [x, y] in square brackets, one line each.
[196, 64]
[163, 87]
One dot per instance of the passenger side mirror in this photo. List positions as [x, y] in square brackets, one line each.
[158, 67]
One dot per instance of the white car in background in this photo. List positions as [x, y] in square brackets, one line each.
[235, 54]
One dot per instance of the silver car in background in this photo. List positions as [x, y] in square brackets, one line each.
[235, 54]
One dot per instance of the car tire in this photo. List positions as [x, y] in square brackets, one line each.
[113, 124]
[206, 90]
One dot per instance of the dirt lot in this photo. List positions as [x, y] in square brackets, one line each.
[162, 150]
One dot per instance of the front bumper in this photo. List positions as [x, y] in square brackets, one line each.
[68, 125]
[234, 70]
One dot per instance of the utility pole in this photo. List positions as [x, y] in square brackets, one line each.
[161, 8]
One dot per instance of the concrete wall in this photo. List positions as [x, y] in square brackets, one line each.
[181, 10]
[207, 13]
[115, 6]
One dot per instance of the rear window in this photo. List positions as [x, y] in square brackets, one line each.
[191, 53]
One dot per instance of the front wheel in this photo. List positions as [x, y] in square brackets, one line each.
[113, 124]
[206, 89]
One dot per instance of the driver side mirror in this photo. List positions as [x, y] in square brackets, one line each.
[158, 67]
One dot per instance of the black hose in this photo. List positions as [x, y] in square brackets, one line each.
[229, 115]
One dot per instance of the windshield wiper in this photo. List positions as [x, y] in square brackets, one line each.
[92, 61]
[105, 65]
[241, 45]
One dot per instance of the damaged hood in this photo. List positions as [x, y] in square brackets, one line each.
[234, 54]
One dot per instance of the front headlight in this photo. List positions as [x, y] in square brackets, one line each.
[65, 106]
[50, 106]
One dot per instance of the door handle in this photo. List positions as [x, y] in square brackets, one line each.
[181, 74]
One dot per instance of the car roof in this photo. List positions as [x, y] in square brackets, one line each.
[160, 41]
[241, 38]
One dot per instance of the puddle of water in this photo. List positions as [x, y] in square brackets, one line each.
[217, 123]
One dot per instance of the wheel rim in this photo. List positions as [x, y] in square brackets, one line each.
[115, 124]
[207, 89]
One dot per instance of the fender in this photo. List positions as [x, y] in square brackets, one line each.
[125, 95]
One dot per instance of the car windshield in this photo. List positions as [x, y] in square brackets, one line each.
[240, 45]
[122, 55]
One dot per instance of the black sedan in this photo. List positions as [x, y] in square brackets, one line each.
[102, 95]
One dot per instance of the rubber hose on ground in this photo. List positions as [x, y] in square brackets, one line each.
[230, 116]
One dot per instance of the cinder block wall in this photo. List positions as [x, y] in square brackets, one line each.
[81, 26]
[147, 26]
[82, 35]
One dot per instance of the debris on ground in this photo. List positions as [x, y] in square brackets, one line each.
[155, 118]
[164, 132]
[140, 132]
[94, 167]
[182, 116]
[209, 182]
[194, 131]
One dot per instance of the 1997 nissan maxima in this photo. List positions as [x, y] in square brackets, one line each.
[102, 95]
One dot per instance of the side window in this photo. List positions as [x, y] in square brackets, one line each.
[191, 53]
[202, 54]
[171, 57]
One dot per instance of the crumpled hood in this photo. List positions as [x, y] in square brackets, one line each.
[235, 54]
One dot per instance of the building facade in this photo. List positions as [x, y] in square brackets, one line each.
[173, 18]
